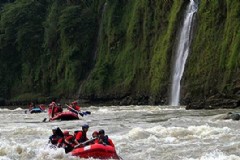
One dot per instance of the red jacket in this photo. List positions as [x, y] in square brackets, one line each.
[53, 110]
[75, 107]
[67, 140]
[81, 136]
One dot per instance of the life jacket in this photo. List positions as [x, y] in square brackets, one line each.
[50, 111]
[83, 137]
[54, 110]
[69, 138]
[77, 108]
[42, 107]
[57, 109]
[105, 140]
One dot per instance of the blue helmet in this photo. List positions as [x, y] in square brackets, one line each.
[85, 126]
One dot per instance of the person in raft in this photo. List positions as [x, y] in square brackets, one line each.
[81, 136]
[67, 142]
[74, 107]
[54, 109]
[103, 139]
[32, 106]
[95, 135]
[56, 135]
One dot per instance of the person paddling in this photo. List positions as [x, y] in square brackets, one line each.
[103, 139]
[31, 106]
[54, 109]
[81, 136]
[56, 135]
[95, 135]
[74, 107]
[67, 142]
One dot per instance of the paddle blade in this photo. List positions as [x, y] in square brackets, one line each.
[88, 112]
[81, 114]
[44, 120]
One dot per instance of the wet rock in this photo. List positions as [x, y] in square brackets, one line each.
[234, 116]
[197, 105]
[227, 116]
[2, 102]
[215, 102]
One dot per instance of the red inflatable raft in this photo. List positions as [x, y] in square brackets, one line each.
[98, 151]
[67, 115]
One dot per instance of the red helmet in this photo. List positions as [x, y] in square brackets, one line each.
[95, 132]
[66, 133]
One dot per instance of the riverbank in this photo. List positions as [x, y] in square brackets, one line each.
[217, 101]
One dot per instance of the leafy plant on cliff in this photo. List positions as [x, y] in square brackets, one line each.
[21, 34]
[213, 65]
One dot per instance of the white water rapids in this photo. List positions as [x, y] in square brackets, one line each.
[138, 132]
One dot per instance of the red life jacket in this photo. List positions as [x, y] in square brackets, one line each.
[42, 107]
[80, 136]
[70, 139]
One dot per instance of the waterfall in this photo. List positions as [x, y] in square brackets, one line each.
[182, 51]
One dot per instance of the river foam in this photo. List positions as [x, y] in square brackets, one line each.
[138, 132]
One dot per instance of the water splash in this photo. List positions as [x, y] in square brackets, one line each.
[182, 52]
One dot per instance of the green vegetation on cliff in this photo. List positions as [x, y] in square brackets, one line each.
[46, 47]
[115, 48]
[135, 47]
[50, 47]
[214, 64]
[21, 36]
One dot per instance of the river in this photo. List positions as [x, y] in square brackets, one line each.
[138, 132]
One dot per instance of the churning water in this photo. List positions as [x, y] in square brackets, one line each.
[139, 133]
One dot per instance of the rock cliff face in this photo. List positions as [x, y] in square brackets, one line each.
[118, 51]
[213, 71]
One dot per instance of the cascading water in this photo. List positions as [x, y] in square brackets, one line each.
[182, 52]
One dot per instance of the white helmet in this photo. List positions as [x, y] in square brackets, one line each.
[54, 128]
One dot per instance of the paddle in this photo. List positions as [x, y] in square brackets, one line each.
[44, 120]
[52, 114]
[84, 143]
[78, 112]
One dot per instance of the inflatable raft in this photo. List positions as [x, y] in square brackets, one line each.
[38, 109]
[98, 151]
[65, 116]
